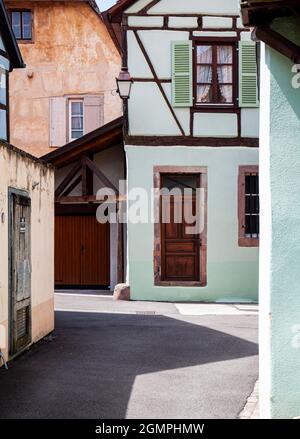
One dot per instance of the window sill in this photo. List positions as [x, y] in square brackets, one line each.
[216, 108]
[25, 41]
[248, 242]
[165, 283]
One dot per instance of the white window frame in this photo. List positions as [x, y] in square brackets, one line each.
[70, 101]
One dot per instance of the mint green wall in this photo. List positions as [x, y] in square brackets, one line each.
[280, 255]
[232, 271]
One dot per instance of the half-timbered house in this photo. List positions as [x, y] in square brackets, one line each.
[191, 121]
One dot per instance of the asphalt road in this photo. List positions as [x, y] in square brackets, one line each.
[102, 365]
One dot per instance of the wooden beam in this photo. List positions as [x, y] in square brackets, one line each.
[278, 42]
[103, 179]
[259, 13]
[72, 186]
[69, 177]
[120, 253]
[83, 176]
[164, 141]
[74, 199]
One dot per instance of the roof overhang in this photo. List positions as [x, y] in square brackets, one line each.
[116, 11]
[92, 3]
[261, 13]
[9, 40]
[113, 19]
[102, 138]
[258, 12]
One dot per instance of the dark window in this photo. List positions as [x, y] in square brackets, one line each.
[248, 206]
[215, 64]
[251, 206]
[21, 22]
[3, 104]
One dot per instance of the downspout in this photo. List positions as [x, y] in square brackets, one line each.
[3, 360]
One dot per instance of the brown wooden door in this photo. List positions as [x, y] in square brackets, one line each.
[180, 250]
[81, 252]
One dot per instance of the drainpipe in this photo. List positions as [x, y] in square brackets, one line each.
[3, 360]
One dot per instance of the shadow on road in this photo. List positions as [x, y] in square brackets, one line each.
[89, 369]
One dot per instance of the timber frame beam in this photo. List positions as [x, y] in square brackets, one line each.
[82, 172]
[256, 13]
[278, 42]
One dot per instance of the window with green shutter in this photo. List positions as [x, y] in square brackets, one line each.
[248, 89]
[182, 74]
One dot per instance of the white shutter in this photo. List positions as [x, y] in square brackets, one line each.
[93, 113]
[58, 121]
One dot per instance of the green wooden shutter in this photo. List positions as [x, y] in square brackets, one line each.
[182, 74]
[248, 90]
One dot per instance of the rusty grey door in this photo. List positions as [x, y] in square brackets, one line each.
[20, 270]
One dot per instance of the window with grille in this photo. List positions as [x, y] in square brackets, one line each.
[248, 206]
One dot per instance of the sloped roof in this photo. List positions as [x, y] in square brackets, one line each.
[257, 12]
[116, 11]
[92, 3]
[112, 19]
[98, 140]
[9, 39]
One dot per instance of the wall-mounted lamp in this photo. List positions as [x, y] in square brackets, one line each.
[124, 83]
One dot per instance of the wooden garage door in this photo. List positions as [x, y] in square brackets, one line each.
[81, 252]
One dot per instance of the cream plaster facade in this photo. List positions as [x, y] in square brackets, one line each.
[71, 54]
[20, 171]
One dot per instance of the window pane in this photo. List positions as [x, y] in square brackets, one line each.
[251, 184]
[77, 134]
[77, 123]
[225, 74]
[2, 86]
[252, 226]
[3, 125]
[252, 204]
[204, 74]
[26, 17]
[16, 24]
[204, 54]
[224, 54]
[225, 94]
[204, 93]
[77, 108]
[180, 181]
